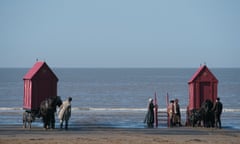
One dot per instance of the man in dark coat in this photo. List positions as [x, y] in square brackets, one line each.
[217, 109]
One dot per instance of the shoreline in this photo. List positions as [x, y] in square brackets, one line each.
[12, 134]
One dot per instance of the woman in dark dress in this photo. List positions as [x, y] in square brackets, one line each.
[149, 119]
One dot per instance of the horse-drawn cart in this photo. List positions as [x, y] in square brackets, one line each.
[202, 94]
[40, 84]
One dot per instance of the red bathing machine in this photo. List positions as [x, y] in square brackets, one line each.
[40, 83]
[202, 86]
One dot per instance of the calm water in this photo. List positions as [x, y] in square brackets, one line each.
[118, 97]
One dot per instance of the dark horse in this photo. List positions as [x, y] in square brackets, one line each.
[48, 109]
[207, 113]
[204, 115]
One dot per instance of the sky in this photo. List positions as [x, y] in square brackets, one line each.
[120, 33]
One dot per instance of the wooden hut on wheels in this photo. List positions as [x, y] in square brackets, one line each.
[39, 83]
[202, 86]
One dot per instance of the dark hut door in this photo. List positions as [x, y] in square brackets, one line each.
[204, 91]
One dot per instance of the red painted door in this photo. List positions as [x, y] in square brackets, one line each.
[205, 90]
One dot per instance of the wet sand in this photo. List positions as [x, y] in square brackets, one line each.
[107, 135]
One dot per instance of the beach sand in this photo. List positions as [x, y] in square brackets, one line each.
[108, 135]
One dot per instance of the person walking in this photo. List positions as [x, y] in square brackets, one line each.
[65, 112]
[217, 109]
[149, 119]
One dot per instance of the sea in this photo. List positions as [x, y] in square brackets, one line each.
[118, 97]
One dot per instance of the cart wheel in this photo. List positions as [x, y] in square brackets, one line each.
[29, 125]
[27, 119]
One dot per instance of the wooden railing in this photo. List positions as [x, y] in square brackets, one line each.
[163, 118]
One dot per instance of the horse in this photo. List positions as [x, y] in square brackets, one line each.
[207, 113]
[48, 109]
[204, 115]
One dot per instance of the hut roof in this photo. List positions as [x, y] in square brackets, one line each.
[199, 72]
[37, 66]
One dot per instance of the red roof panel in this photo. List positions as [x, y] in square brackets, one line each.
[199, 71]
[30, 74]
[196, 73]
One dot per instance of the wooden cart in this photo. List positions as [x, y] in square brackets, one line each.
[40, 83]
[202, 87]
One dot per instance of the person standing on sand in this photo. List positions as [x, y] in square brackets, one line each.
[65, 112]
[170, 111]
[149, 119]
[177, 113]
[217, 109]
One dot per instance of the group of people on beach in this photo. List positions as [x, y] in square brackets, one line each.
[174, 113]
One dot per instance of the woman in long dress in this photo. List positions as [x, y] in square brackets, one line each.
[65, 112]
[149, 119]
